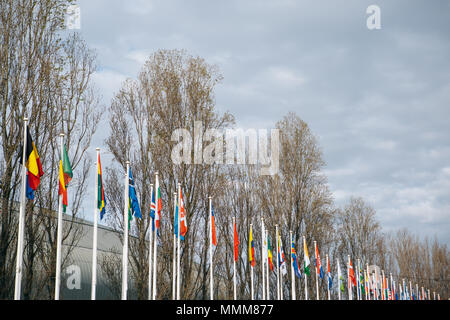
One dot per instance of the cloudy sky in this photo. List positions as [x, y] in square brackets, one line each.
[377, 100]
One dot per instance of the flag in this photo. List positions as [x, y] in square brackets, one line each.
[158, 203]
[133, 204]
[33, 165]
[65, 175]
[329, 274]
[351, 273]
[251, 249]
[236, 243]
[340, 278]
[101, 202]
[361, 282]
[213, 227]
[183, 221]
[269, 253]
[319, 269]
[281, 261]
[295, 261]
[153, 210]
[175, 224]
[306, 261]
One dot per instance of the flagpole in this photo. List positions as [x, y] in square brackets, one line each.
[211, 283]
[304, 261]
[251, 269]
[94, 242]
[174, 272]
[150, 249]
[125, 235]
[292, 270]
[278, 263]
[178, 243]
[19, 260]
[234, 262]
[348, 279]
[155, 246]
[317, 276]
[262, 260]
[358, 281]
[59, 234]
[328, 276]
[339, 279]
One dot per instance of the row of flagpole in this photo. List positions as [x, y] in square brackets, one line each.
[31, 170]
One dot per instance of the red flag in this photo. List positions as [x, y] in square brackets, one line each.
[236, 243]
[351, 273]
[213, 227]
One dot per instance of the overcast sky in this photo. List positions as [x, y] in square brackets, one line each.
[377, 100]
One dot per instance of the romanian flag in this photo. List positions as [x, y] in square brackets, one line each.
[351, 272]
[213, 227]
[295, 261]
[306, 261]
[319, 269]
[65, 175]
[236, 243]
[251, 249]
[101, 202]
[33, 165]
[269, 253]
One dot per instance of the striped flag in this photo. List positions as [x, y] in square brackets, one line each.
[33, 165]
[101, 202]
[213, 227]
[295, 261]
[251, 249]
[306, 261]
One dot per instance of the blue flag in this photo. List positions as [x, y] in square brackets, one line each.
[135, 210]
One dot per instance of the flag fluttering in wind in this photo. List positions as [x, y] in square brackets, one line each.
[319, 268]
[351, 273]
[251, 249]
[213, 227]
[175, 223]
[306, 261]
[183, 221]
[269, 254]
[236, 243]
[295, 261]
[158, 203]
[101, 195]
[33, 165]
[65, 175]
[133, 203]
[282, 261]
[330, 283]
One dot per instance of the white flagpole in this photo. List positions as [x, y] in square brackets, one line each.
[317, 275]
[94, 244]
[434, 295]
[234, 263]
[19, 260]
[429, 296]
[59, 232]
[150, 249]
[179, 244]
[348, 280]
[278, 263]
[174, 271]
[339, 279]
[251, 271]
[306, 276]
[211, 280]
[155, 244]
[125, 235]
[417, 291]
[358, 281]
[263, 260]
[328, 287]
[292, 270]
